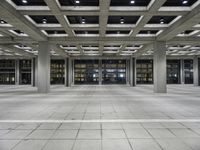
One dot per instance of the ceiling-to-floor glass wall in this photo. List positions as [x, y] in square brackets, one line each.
[144, 71]
[173, 71]
[57, 71]
[86, 71]
[114, 71]
[188, 71]
[7, 71]
[25, 71]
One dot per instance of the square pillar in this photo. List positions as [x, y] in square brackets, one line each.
[182, 72]
[100, 71]
[69, 72]
[160, 67]
[33, 72]
[132, 72]
[127, 72]
[196, 71]
[17, 72]
[66, 72]
[44, 67]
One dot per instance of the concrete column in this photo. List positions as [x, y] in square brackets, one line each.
[127, 72]
[66, 72]
[17, 72]
[182, 72]
[72, 70]
[33, 71]
[69, 68]
[100, 71]
[36, 71]
[196, 71]
[44, 67]
[160, 67]
[132, 72]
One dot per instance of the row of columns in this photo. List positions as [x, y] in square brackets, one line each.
[43, 69]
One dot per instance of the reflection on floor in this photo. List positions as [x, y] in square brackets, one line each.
[100, 103]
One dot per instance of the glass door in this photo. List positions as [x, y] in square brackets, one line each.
[114, 71]
[57, 71]
[173, 71]
[144, 71]
[25, 71]
[188, 71]
[7, 71]
[86, 71]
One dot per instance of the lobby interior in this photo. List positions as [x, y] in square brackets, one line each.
[100, 74]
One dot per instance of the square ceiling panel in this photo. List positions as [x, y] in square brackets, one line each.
[79, 2]
[118, 32]
[130, 2]
[83, 19]
[161, 19]
[50, 32]
[148, 31]
[188, 31]
[179, 2]
[29, 2]
[44, 19]
[86, 32]
[123, 19]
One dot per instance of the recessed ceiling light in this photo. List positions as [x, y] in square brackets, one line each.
[24, 1]
[77, 1]
[122, 20]
[44, 20]
[83, 21]
[162, 21]
[185, 1]
[21, 32]
[2, 22]
[132, 1]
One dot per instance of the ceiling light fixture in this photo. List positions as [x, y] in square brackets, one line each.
[24, 1]
[185, 1]
[77, 1]
[44, 20]
[162, 21]
[132, 2]
[83, 20]
[2, 22]
[122, 20]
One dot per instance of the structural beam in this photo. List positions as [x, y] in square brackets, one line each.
[9, 14]
[103, 18]
[53, 5]
[16, 50]
[187, 21]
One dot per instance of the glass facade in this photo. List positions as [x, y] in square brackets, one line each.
[57, 71]
[86, 71]
[173, 71]
[7, 71]
[113, 71]
[25, 71]
[188, 71]
[144, 71]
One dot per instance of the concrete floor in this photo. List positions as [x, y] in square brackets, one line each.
[100, 118]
